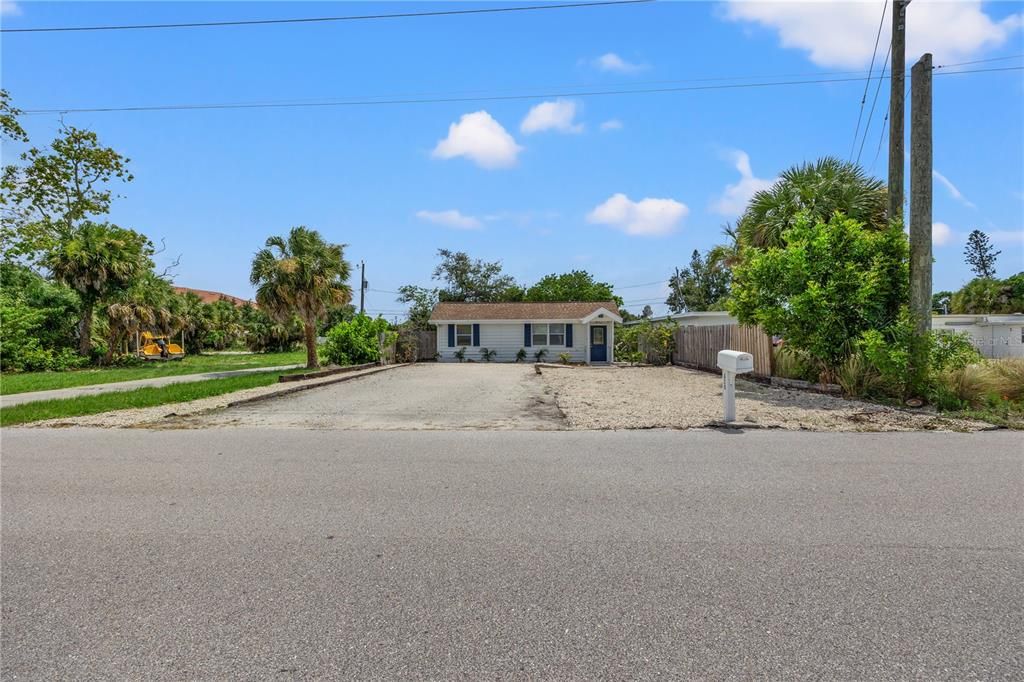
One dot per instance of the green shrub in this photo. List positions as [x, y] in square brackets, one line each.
[488, 355]
[952, 350]
[791, 363]
[539, 355]
[460, 354]
[858, 377]
[564, 358]
[654, 343]
[406, 348]
[900, 355]
[357, 341]
[830, 283]
[521, 355]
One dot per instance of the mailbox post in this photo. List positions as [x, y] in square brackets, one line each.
[732, 362]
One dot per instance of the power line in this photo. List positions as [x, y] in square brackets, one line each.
[312, 20]
[864, 97]
[874, 101]
[443, 100]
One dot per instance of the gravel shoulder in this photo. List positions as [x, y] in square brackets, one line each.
[679, 398]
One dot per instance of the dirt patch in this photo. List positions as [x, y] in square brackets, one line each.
[677, 398]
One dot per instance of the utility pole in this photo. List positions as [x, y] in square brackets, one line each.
[921, 192]
[362, 287]
[896, 94]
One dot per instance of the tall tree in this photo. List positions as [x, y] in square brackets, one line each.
[421, 304]
[474, 280]
[56, 190]
[703, 285]
[981, 255]
[98, 261]
[647, 313]
[820, 189]
[578, 285]
[301, 275]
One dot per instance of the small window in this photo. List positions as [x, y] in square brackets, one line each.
[598, 336]
[556, 334]
[463, 335]
[540, 335]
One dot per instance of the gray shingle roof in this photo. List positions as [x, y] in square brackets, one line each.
[557, 310]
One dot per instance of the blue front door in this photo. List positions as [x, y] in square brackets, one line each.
[599, 344]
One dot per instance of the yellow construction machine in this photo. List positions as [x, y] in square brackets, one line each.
[153, 347]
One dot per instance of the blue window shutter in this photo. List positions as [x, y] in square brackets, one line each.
[451, 336]
[568, 335]
[476, 335]
[527, 334]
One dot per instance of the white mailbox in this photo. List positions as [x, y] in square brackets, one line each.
[735, 361]
[732, 362]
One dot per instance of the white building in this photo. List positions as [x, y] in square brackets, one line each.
[995, 336]
[584, 331]
[704, 318]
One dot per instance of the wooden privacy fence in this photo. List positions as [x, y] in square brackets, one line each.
[698, 346]
[426, 344]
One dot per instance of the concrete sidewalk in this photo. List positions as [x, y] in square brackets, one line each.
[96, 389]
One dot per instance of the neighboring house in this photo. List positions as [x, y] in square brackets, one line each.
[212, 296]
[586, 331]
[995, 336]
[698, 319]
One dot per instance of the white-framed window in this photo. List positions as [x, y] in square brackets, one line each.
[549, 334]
[556, 334]
[463, 335]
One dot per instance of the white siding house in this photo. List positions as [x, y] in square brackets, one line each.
[583, 330]
[995, 336]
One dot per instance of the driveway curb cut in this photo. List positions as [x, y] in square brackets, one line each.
[305, 387]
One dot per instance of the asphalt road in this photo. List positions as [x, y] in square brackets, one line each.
[293, 554]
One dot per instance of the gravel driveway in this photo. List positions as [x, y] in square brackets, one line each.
[424, 396]
[678, 398]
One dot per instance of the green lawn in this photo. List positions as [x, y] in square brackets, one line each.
[192, 364]
[140, 397]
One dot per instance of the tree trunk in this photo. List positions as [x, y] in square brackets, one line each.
[85, 330]
[311, 359]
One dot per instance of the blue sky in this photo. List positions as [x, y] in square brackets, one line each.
[625, 186]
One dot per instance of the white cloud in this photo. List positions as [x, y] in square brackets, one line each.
[611, 124]
[557, 115]
[953, 191]
[842, 34]
[941, 234]
[734, 199]
[616, 64]
[450, 218]
[480, 138]
[645, 217]
[9, 8]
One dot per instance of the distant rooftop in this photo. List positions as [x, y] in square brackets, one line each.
[211, 296]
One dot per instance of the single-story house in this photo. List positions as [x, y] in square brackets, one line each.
[584, 330]
[700, 318]
[995, 336]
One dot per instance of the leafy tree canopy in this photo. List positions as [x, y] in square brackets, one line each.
[56, 190]
[983, 296]
[703, 285]
[474, 280]
[421, 304]
[578, 285]
[831, 282]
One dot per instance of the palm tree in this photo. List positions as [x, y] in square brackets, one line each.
[97, 261]
[820, 188]
[302, 275]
